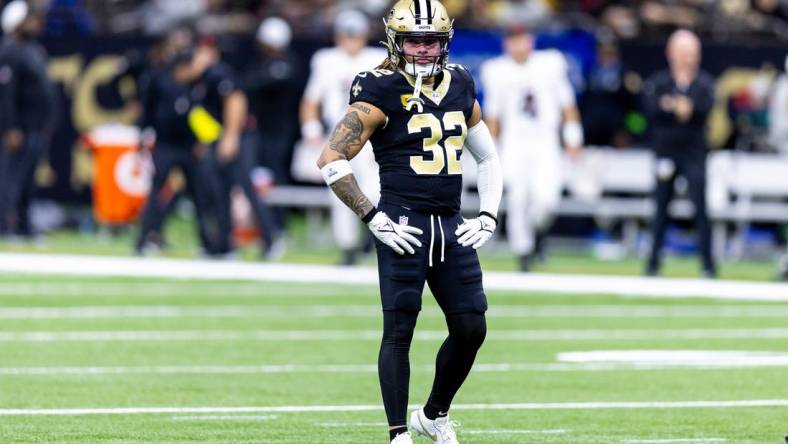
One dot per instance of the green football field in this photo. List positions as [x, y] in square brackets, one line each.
[112, 360]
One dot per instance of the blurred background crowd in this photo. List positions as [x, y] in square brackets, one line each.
[104, 53]
[723, 19]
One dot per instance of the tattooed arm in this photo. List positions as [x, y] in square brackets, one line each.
[351, 133]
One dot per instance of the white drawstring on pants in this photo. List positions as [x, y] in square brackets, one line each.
[443, 239]
[432, 238]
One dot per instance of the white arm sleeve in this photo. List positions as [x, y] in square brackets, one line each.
[490, 183]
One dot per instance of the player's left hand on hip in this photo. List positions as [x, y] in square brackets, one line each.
[476, 232]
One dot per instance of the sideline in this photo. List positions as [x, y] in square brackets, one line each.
[376, 408]
[75, 265]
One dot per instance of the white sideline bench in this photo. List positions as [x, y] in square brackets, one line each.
[742, 188]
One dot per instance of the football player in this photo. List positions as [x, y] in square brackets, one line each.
[325, 99]
[530, 106]
[419, 112]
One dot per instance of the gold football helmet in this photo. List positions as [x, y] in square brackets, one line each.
[418, 19]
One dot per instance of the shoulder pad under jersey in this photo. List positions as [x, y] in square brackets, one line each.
[373, 87]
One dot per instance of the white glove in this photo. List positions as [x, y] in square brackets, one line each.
[476, 231]
[398, 237]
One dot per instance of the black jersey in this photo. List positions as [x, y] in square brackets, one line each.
[419, 150]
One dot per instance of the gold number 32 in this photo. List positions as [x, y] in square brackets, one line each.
[440, 157]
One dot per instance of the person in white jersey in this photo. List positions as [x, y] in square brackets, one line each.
[530, 107]
[324, 105]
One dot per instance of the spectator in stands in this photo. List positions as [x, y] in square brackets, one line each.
[753, 17]
[661, 16]
[769, 16]
[28, 111]
[69, 17]
[271, 82]
[530, 12]
[325, 101]
[161, 15]
[677, 102]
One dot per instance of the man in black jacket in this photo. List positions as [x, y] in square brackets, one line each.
[678, 101]
[28, 114]
[168, 97]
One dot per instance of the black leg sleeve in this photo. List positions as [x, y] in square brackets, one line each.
[394, 364]
[455, 359]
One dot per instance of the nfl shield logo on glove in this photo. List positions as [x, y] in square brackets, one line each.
[403, 220]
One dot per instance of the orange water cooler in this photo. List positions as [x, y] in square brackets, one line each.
[122, 175]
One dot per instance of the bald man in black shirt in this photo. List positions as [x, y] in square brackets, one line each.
[677, 102]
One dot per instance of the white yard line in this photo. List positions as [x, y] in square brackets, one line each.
[374, 311]
[673, 441]
[674, 357]
[225, 418]
[187, 370]
[352, 424]
[213, 270]
[755, 362]
[374, 335]
[515, 432]
[170, 288]
[463, 431]
[377, 408]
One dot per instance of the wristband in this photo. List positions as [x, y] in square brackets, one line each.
[484, 213]
[369, 216]
[335, 171]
